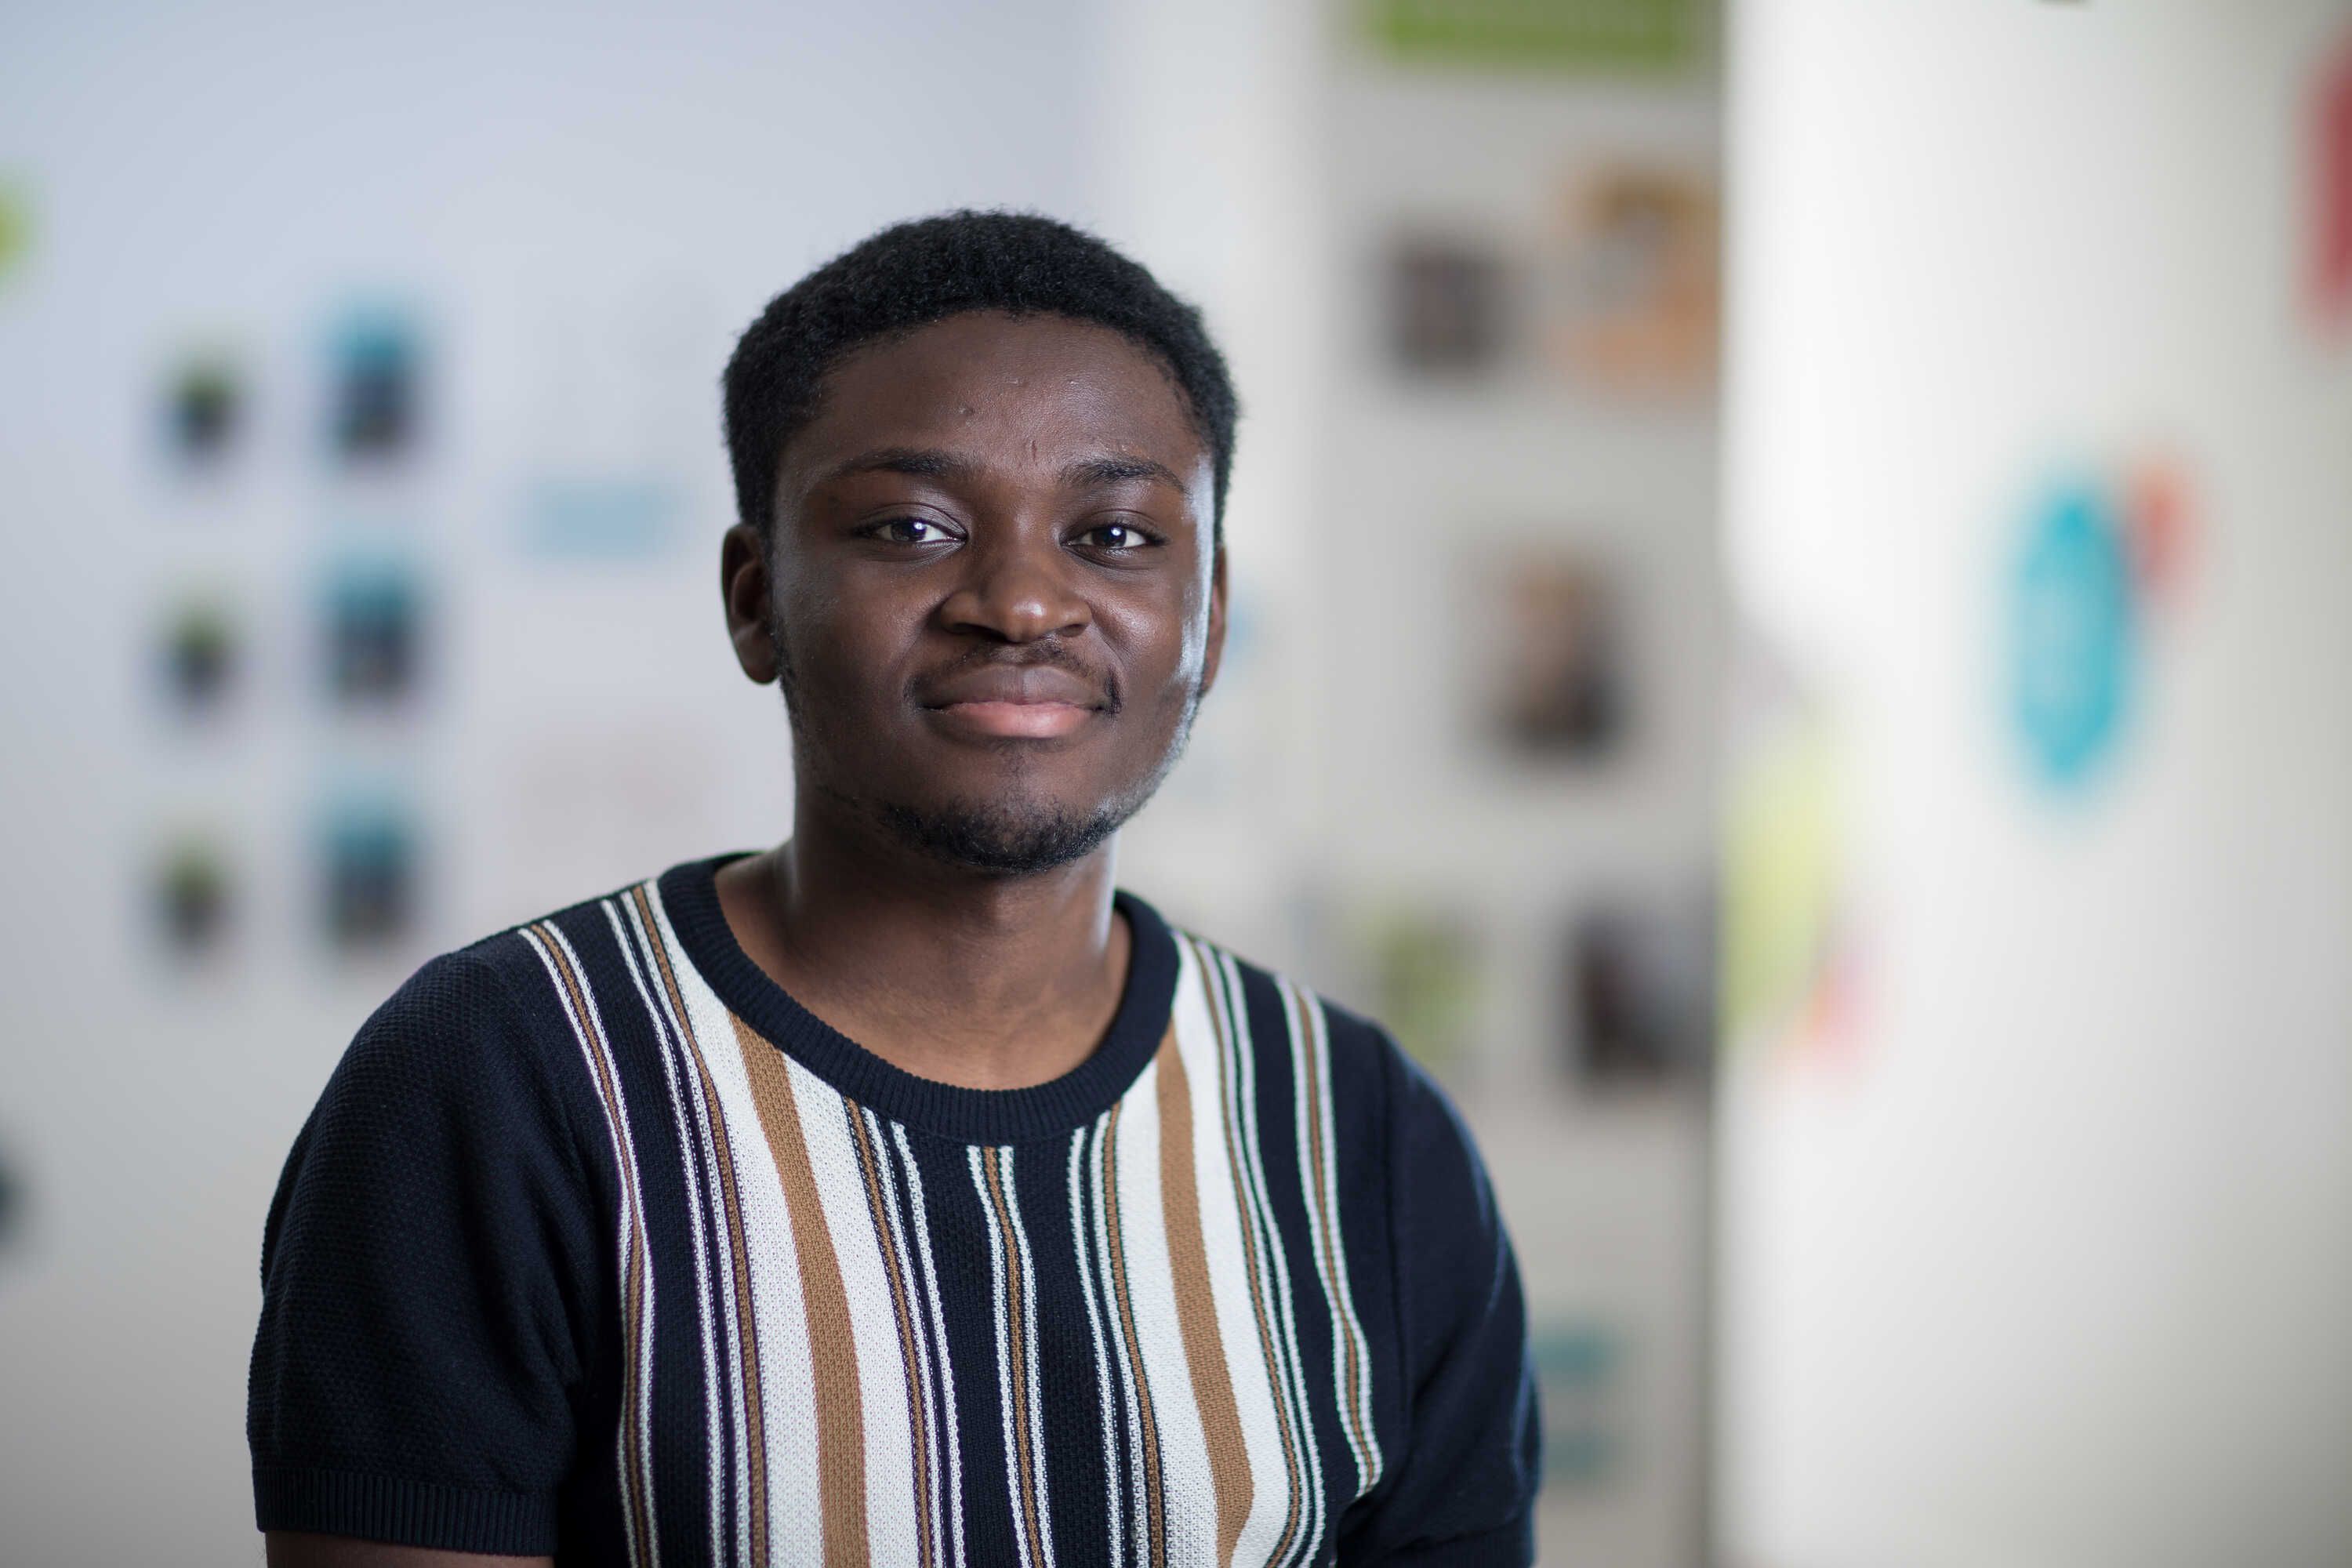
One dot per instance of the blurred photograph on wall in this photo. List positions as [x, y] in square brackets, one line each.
[369, 631]
[1447, 303]
[1632, 287]
[15, 224]
[1555, 654]
[1639, 975]
[192, 896]
[200, 653]
[367, 872]
[2331, 191]
[375, 391]
[1579, 1370]
[206, 406]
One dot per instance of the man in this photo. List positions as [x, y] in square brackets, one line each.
[904, 1194]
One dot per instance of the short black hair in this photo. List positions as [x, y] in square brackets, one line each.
[912, 274]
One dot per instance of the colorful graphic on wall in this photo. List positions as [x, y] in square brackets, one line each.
[1579, 1372]
[200, 655]
[1789, 976]
[204, 408]
[192, 897]
[1557, 650]
[15, 225]
[1447, 306]
[2331, 191]
[1633, 292]
[2098, 559]
[1640, 994]
[371, 631]
[368, 872]
[1642, 36]
[374, 390]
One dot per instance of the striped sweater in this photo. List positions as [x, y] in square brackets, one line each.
[599, 1244]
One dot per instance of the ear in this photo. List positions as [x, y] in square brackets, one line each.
[1214, 655]
[743, 583]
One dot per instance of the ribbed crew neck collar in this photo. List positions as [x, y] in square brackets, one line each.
[689, 893]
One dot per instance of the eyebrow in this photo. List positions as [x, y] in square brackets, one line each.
[931, 463]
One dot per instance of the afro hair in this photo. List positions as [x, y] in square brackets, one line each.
[912, 274]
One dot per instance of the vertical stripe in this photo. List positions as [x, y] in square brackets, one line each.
[1103, 1375]
[1154, 1523]
[833, 1346]
[690, 1147]
[1281, 1375]
[1351, 1363]
[735, 1264]
[1196, 1307]
[950, 1442]
[902, 1314]
[1015, 1346]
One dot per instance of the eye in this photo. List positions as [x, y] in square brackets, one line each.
[906, 530]
[1118, 538]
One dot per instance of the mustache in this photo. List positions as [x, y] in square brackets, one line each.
[1045, 653]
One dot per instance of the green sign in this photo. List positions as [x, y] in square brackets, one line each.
[1542, 35]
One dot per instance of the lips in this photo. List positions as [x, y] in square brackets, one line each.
[1017, 701]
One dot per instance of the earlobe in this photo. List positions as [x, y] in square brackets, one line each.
[743, 588]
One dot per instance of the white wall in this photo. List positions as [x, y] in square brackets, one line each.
[2055, 1269]
[546, 183]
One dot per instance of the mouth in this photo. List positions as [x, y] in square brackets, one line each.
[1033, 702]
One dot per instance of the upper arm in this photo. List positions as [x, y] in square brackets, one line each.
[430, 1287]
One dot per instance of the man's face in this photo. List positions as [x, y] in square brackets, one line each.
[991, 596]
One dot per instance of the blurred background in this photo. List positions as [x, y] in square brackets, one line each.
[1790, 636]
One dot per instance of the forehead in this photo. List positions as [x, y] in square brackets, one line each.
[1009, 389]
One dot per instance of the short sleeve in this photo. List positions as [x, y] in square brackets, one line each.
[1462, 1491]
[429, 1283]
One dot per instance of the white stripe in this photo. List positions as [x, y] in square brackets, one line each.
[787, 1380]
[1094, 1326]
[705, 1115]
[1331, 1253]
[1215, 1181]
[949, 1438]
[918, 1329]
[1138, 1500]
[589, 1032]
[1189, 1495]
[1278, 1258]
[1029, 1334]
[890, 1530]
[688, 1140]
[974, 1156]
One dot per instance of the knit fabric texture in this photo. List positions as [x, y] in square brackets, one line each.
[599, 1244]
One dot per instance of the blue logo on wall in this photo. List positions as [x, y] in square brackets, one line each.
[2073, 636]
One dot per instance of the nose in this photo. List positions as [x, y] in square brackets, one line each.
[1018, 587]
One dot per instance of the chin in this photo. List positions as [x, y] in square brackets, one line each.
[1005, 838]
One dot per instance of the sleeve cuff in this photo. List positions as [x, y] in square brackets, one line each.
[404, 1512]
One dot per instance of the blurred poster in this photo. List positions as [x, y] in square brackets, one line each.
[371, 631]
[1633, 295]
[374, 390]
[1447, 310]
[191, 897]
[1579, 1375]
[367, 872]
[1789, 975]
[205, 403]
[1556, 654]
[1638, 36]
[1641, 994]
[2331, 191]
[15, 225]
[1425, 974]
[200, 654]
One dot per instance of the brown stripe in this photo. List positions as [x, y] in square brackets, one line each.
[747, 1328]
[916, 1414]
[1212, 975]
[1196, 1304]
[1326, 1234]
[1154, 1504]
[833, 1345]
[1016, 1292]
[633, 1285]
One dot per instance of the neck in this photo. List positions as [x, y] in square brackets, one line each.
[980, 979]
